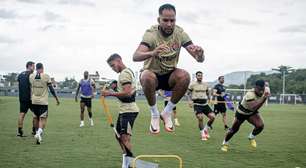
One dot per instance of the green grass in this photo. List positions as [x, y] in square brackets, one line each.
[282, 143]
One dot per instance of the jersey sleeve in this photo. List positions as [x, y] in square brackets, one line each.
[148, 39]
[185, 39]
[125, 78]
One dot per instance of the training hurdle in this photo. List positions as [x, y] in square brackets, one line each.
[134, 163]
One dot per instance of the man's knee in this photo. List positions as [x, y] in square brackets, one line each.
[260, 126]
[200, 116]
[147, 76]
[182, 75]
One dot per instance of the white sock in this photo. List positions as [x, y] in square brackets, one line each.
[123, 161]
[39, 131]
[154, 111]
[225, 142]
[169, 107]
[82, 122]
[251, 136]
[206, 127]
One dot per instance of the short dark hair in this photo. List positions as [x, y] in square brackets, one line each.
[260, 83]
[113, 57]
[199, 72]
[29, 63]
[39, 65]
[220, 77]
[114, 82]
[166, 6]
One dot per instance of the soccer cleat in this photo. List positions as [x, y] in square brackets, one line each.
[20, 133]
[176, 122]
[91, 122]
[82, 124]
[224, 147]
[253, 143]
[203, 137]
[154, 126]
[226, 127]
[166, 118]
[38, 138]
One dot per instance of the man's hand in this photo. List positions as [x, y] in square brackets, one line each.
[267, 92]
[197, 51]
[161, 48]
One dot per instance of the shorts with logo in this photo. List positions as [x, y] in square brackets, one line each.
[125, 122]
[86, 101]
[40, 110]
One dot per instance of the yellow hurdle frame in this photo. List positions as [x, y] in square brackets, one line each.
[158, 156]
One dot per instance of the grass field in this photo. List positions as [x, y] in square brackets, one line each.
[282, 143]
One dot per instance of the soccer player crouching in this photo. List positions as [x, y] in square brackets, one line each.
[248, 110]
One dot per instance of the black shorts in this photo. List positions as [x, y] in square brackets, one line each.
[25, 106]
[219, 108]
[163, 81]
[125, 122]
[86, 101]
[40, 110]
[242, 117]
[202, 109]
[166, 102]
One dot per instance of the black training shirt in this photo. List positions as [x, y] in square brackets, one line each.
[24, 86]
[220, 89]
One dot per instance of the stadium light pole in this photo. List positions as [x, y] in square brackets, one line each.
[283, 69]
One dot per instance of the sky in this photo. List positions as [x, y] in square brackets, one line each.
[71, 36]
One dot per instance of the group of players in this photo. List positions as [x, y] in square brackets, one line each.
[159, 49]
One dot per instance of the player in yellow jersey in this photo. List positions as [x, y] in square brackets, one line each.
[128, 109]
[248, 110]
[40, 83]
[159, 49]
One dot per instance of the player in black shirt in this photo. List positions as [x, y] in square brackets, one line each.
[220, 107]
[25, 96]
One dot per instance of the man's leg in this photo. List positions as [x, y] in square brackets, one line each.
[258, 124]
[90, 116]
[208, 125]
[224, 119]
[35, 125]
[233, 130]
[149, 83]
[178, 81]
[82, 107]
[40, 130]
[200, 117]
[20, 123]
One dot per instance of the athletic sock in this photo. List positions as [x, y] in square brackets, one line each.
[225, 142]
[169, 107]
[123, 160]
[39, 131]
[251, 136]
[19, 129]
[154, 111]
[206, 127]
